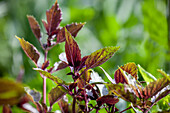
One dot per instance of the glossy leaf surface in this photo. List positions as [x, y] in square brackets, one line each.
[72, 50]
[10, 92]
[34, 26]
[29, 49]
[100, 56]
[55, 95]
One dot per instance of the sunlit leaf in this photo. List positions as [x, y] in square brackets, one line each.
[130, 68]
[29, 49]
[154, 87]
[72, 50]
[100, 56]
[72, 28]
[122, 91]
[108, 99]
[146, 75]
[34, 26]
[10, 92]
[55, 95]
[53, 16]
[48, 75]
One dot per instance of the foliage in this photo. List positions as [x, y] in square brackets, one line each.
[83, 89]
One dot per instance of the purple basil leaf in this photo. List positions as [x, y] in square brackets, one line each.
[72, 50]
[72, 28]
[34, 27]
[53, 16]
[45, 65]
[100, 56]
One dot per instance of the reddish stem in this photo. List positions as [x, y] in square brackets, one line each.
[44, 80]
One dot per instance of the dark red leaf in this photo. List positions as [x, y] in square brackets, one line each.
[72, 50]
[108, 99]
[53, 16]
[34, 27]
[72, 28]
[64, 106]
[100, 56]
[130, 68]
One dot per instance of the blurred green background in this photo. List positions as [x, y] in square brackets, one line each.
[139, 27]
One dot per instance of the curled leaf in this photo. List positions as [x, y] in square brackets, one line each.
[100, 56]
[29, 50]
[34, 26]
[130, 68]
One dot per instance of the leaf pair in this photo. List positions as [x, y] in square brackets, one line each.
[74, 59]
[53, 30]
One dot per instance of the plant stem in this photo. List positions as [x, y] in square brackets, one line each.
[44, 80]
[74, 102]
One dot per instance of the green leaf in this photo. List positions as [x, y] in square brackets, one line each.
[34, 26]
[130, 68]
[29, 50]
[146, 75]
[122, 91]
[100, 56]
[55, 95]
[72, 50]
[154, 87]
[48, 75]
[10, 92]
